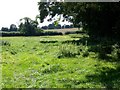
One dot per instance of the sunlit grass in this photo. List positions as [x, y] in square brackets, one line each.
[29, 63]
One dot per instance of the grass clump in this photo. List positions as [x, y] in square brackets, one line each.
[68, 50]
[52, 69]
[5, 43]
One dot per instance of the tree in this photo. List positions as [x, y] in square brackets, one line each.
[28, 26]
[4, 29]
[98, 19]
[13, 27]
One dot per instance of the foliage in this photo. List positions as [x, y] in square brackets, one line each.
[39, 32]
[28, 26]
[11, 34]
[56, 23]
[98, 19]
[13, 27]
[4, 29]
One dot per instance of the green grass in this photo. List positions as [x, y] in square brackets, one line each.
[34, 62]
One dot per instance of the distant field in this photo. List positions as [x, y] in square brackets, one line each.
[64, 30]
[55, 62]
[44, 33]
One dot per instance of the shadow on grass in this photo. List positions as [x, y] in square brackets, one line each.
[103, 46]
[108, 49]
[109, 78]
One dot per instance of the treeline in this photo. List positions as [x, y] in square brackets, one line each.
[50, 33]
[42, 33]
[13, 27]
[52, 26]
[27, 27]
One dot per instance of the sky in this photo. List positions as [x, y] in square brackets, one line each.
[11, 11]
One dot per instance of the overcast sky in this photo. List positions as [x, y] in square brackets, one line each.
[13, 10]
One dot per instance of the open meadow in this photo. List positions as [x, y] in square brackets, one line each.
[62, 61]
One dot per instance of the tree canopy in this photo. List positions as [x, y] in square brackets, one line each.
[13, 27]
[98, 19]
[28, 26]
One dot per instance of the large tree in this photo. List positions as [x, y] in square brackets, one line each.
[98, 19]
[28, 26]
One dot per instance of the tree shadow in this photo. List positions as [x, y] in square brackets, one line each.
[103, 46]
[108, 77]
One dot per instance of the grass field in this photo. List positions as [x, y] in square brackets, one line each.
[55, 62]
[63, 31]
